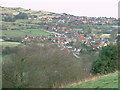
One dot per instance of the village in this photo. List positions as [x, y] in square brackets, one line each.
[70, 41]
[71, 33]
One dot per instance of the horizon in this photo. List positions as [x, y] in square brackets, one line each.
[99, 8]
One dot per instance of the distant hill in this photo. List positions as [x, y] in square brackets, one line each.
[32, 19]
[15, 11]
[35, 20]
[106, 81]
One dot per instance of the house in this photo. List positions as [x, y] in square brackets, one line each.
[59, 38]
[81, 37]
[102, 45]
[29, 38]
[68, 39]
[84, 22]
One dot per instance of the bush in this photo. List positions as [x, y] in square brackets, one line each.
[107, 60]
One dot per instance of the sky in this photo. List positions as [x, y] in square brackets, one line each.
[90, 8]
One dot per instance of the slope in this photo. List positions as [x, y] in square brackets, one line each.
[105, 81]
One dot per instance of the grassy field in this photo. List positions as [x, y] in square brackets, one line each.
[22, 33]
[9, 44]
[106, 81]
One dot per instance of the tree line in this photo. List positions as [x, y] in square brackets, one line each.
[14, 18]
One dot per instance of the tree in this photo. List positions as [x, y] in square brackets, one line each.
[21, 16]
[9, 19]
[48, 66]
[107, 60]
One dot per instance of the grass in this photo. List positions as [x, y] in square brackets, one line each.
[22, 33]
[106, 81]
[9, 44]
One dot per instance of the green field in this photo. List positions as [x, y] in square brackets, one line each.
[107, 81]
[9, 44]
[22, 33]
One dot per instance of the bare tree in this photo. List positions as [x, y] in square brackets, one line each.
[45, 66]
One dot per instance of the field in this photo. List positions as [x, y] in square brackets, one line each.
[9, 44]
[106, 81]
[22, 33]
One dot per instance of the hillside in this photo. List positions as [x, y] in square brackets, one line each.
[11, 20]
[34, 20]
[17, 10]
[106, 81]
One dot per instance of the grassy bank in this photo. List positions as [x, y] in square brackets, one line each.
[106, 81]
[9, 44]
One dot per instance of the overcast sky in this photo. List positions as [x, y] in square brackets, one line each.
[98, 8]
